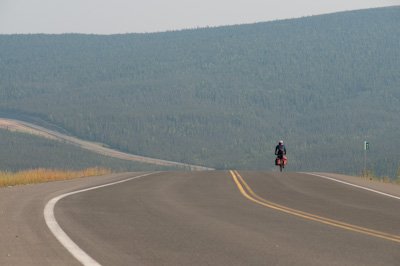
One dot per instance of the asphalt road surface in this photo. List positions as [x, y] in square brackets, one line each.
[206, 218]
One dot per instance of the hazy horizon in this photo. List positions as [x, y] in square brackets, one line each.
[124, 16]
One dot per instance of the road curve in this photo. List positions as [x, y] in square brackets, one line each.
[25, 237]
[203, 218]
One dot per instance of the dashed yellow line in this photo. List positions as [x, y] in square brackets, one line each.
[243, 186]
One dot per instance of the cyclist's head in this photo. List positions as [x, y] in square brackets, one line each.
[281, 142]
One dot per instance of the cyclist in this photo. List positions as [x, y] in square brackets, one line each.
[280, 150]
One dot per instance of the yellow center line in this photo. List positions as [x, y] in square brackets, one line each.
[255, 198]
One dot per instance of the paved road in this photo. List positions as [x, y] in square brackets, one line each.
[205, 218]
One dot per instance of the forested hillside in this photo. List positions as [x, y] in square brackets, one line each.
[223, 97]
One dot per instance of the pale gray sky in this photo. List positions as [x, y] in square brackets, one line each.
[138, 16]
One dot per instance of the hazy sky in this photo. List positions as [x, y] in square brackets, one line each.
[128, 16]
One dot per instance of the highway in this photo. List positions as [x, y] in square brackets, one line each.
[205, 218]
[103, 150]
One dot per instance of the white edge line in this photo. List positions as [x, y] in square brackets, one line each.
[357, 186]
[61, 236]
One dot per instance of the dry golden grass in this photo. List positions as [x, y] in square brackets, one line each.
[45, 175]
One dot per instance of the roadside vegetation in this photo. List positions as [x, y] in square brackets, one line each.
[26, 158]
[370, 174]
[45, 175]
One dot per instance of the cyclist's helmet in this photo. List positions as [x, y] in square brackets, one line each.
[281, 142]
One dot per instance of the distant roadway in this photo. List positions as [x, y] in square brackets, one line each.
[103, 150]
[204, 218]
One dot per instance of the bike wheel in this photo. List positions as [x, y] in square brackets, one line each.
[281, 166]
